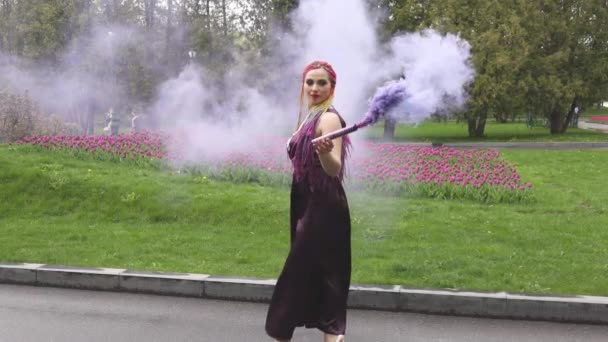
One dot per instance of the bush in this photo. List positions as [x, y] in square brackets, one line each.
[20, 117]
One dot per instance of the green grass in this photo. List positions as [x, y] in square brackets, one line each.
[594, 111]
[495, 132]
[58, 210]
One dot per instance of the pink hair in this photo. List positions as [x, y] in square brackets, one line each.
[325, 66]
[313, 66]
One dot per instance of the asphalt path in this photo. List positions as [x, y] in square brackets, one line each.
[593, 126]
[50, 314]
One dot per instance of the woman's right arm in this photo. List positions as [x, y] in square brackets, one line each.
[329, 151]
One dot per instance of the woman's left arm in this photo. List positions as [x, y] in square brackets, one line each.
[329, 151]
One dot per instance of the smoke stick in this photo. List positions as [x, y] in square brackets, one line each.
[341, 132]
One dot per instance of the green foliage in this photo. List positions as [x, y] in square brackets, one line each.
[493, 28]
[498, 51]
[19, 118]
[281, 10]
[540, 57]
[409, 15]
[40, 30]
[447, 191]
[239, 175]
[568, 63]
[130, 197]
[543, 57]
[99, 155]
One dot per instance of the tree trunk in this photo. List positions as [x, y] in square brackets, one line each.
[116, 6]
[170, 51]
[90, 120]
[88, 19]
[169, 14]
[109, 11]
[6, 12]
[570, 115]
[555, 122]
[224, 17]
[208, 18]
[389, 129]
[477, 125]
[197, 8]
[150, 8]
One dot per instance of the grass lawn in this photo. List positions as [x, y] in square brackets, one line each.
[495, 132]
[90, 213]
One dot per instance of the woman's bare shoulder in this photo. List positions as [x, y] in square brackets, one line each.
[330, 117]
[330, 120]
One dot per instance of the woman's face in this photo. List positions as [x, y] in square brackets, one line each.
[317, 86]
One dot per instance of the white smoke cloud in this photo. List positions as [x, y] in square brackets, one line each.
[82, 81]
[343, 33]
[209, 129]
[436, 69]
[219, 120]
[350, 45]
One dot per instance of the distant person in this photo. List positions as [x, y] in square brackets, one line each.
[108, 122]
[137, 122]
[312, 289]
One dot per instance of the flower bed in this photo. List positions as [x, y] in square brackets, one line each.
[599, 118]
[136, 147]
[443, 172]
[396, 169]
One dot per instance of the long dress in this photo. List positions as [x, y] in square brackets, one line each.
[312, 289]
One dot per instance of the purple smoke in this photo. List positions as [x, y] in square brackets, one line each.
[436, 68]
[386, 98]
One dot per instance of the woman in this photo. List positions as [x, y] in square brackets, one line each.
[312, 289]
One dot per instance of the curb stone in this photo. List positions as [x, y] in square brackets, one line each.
[577, 309]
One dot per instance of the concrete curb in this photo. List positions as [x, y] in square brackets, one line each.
[579, 309]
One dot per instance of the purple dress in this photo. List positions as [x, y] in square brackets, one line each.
[312, 289]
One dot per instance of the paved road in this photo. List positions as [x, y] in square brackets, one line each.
[53, 315]
[593, 126]
[524, 145]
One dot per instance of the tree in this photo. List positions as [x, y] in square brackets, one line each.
[499, 50]
[161, 33]
[408, 15]
[403, 16]
[6, 29]
[281, 10]
[494, 31]
[149, 9]
[567, 66]
[40, 29]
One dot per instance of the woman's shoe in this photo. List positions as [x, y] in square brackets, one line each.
[338, 338]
